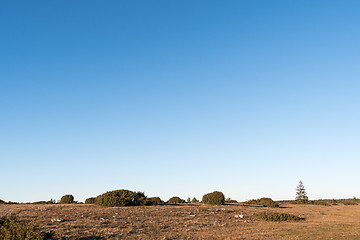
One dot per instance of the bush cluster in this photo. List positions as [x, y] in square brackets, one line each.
[278, 217]
[265, 202]
[175, 200]
[120, 198]
[67, 199]
[15, 229]
[216, 197]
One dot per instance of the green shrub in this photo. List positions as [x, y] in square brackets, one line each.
[265, 202]
[229, 200]
[194, 200]
[66, 199]
[2, 201]
[90, 200]
[216, 197]
[277, 217]
[14, 229]
[320, 202]
[51, 201]
[39, 202]
[175, 200]
[350, 203]
[120, 198]
[153, 201]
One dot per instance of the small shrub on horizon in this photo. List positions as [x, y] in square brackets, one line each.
[39, 202]
[215, 197]
[90, 200]
[67, 199]
[51, 201]
[194, 200]
[175, 200]
[154, 201]
[229, 200]
[265, 202]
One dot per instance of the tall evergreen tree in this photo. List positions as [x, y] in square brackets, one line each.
[301, 196]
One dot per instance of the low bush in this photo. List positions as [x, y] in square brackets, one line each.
[2, 201]
[175, 200]
[39, 202]
[15, 229]
[277, 217]
[121, 198]
[194, 200]
[216, 197]
[229, 200]
[67, 199]
[350, 203]
[90, 200]
[154, 201]
[320, 202]
[265, 202]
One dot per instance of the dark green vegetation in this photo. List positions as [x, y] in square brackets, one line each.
[265, 202]
[175, 200]
[229, 200]
[12, 228]
[319, 202]
[194, 200]
[216, 197]
[90, 200]
[277, 217]
[154, 201]
[52, 201]
[67, 199]
[3, 202]
[121, 198]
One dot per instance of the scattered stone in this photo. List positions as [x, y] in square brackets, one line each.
[58, 220]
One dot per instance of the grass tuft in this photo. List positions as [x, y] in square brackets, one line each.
[277, 217]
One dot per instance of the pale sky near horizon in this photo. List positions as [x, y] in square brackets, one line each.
[179, 98]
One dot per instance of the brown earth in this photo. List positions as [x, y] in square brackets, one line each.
[189, 221]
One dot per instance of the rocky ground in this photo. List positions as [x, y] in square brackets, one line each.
[189, 221]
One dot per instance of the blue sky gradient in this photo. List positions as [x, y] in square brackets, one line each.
[179, 98]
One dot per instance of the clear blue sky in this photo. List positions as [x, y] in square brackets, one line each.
[179, 98]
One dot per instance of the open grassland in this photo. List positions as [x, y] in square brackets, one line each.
[189, 221]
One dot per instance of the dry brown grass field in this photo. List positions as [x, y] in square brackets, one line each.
[189, 221]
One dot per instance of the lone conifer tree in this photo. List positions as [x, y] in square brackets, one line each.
[301, 194]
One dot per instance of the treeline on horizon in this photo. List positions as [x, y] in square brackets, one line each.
[125, 197]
